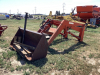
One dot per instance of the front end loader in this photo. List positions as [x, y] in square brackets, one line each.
[34, 45]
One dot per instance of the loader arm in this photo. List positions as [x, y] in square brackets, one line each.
[66, 25]
[62, 25]
[57, 32]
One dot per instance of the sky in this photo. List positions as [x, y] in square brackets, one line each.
[42, 6]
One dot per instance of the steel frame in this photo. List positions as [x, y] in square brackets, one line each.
[62, 25]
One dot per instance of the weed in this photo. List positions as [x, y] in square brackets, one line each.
[25, 67]
[11, 53]
[4, 54]
[2, 63]
[41, 74]
[31, 67]
[2, 41]
[18, 68]
[8, 65]
[96, 48]
[83, 50]
[91, 55]
[51, 62]
[84, 57]
[70, 53]
[6, 45]
[8, 54]
[83, 69]
[26, 73]
[38, 71]
[69, 67]
[75, 55]
[12, 69]
[98, 56]
[45, 70]
[60, 65]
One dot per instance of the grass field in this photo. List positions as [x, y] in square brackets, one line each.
[65, 56]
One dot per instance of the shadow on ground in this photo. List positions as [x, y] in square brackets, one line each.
[72, 48]
[57, 41]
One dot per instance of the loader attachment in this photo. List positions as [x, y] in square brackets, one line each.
[34, 47]
[30, 45]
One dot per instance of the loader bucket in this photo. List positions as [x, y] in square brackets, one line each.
[34, 47]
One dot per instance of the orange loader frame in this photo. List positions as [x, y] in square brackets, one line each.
[61, 25]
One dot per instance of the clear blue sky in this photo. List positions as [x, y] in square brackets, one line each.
[42, 6]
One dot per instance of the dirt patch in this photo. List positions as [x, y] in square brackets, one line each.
[92, 61]
[13, 73]
[99, 70]
[56, 72]
[7, 38]
[98, 61]
[2, 71]
[15, 63]
[1, 50]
